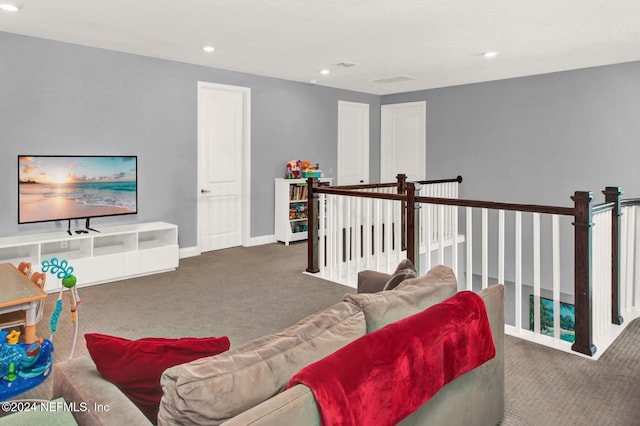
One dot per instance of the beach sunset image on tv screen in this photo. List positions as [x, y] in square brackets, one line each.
[73, 187]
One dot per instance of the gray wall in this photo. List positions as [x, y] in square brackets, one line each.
[59, 98]
[532, 139]
[536, 139]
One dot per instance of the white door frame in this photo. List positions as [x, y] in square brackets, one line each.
[246, 158]
[385, 110]
[364, 132]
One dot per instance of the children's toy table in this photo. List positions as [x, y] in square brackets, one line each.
[18, 293]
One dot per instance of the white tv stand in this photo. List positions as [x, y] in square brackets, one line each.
[117, 252]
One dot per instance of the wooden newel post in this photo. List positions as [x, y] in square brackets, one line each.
[402, 189]
[413, 244]
[613, 194]
[582, 274]
[313, 224]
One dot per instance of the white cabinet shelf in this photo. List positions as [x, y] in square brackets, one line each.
[291, 209]
[115, 253]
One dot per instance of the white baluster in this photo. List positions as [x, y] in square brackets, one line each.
[555, 231]
[518, 275]
[388, 235]
[636, 264]
[348, 240]
[368, 240]
[536, 271]
[322, 232]
[501, 246]
[469, 243]
[485, 248]
[454, 243]
[441, 234]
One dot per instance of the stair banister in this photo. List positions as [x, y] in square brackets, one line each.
[613, 194]
[583, 273]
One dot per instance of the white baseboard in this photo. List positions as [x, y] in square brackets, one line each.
[254, 241]
[189, 252]
[259, 241]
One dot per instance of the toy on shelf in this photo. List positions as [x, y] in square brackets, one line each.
[297, 169]
[293, 169]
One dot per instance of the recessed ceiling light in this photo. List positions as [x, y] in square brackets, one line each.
[490, 55]
[325, 72]
[9, 7]
[208, 49]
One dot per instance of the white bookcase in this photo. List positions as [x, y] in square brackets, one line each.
[291, 209]
[115, 253]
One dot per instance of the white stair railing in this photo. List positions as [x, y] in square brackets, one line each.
[521, 249]
[601, 278]
[366, 233]
[630, 262]
[359, 233]
[528, 248]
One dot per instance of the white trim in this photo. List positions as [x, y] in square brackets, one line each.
[246, 158]
[189, 252]
[260, 241]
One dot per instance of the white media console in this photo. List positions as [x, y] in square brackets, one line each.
[114, 253]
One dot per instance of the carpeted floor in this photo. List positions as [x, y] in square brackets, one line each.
[244, 293]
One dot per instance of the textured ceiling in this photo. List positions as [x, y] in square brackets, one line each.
[438, 43]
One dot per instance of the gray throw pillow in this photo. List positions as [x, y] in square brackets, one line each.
[404, 271]
[410, 297]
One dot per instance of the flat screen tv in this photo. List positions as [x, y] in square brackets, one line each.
[55, 187]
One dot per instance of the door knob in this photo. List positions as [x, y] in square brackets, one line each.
[204, 191]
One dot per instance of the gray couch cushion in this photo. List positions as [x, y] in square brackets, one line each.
[213, 389]
[404, 271]
[410, 297]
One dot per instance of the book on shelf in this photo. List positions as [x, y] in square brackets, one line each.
[297, 192]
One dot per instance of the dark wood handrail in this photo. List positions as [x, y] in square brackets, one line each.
[430, 182]
[612, 195]
[630, 202]
[582, 213]
[531, 208]
[603, 207]
[368, 186]
[583, 273]
[395, 184]
[362, 194]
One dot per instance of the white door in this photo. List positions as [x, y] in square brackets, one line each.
[353, 143]
[403, 141]
[223, 141]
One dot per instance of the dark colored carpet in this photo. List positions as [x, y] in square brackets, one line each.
[244, 293]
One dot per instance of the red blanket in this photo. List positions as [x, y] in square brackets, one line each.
[386, 375]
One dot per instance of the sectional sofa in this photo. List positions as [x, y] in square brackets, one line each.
[251, 384]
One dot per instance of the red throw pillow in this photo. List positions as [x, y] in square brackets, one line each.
[135, 366]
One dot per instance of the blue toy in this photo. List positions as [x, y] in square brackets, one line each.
[23, 367]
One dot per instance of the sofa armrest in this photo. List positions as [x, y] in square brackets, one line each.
[372, 281]
[480, 391]
[78, 382]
